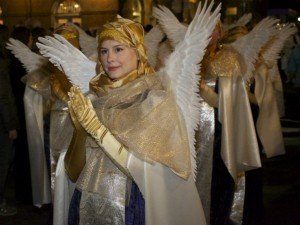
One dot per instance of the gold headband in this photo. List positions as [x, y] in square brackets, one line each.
[67, 31]
[69, 36]
[109, 33]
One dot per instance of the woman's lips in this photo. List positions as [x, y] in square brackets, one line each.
[113, 68]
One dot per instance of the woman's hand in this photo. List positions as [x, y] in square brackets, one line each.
[82, 110]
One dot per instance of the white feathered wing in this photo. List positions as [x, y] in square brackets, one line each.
[250, 45]
[88, 43]
[182, 69]
[174, 30]
[78, 68]
[271, 50]
[242, 21]
[30, 60]
[152, 40]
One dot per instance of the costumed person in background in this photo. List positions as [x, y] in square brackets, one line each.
[23, 179]
[9, 124]
[61, 130]
[266, 115]
[235, 145]
[36, 88]
[46, 99]
[36, 81]
[222, 150]
[238, 202]
[144, 123]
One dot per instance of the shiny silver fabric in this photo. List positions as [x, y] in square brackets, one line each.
[104, 194]
[61, 131]
[204, 152]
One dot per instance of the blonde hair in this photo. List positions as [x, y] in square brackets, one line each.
[233, 34]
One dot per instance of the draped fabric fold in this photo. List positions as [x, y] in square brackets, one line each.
[103, 188]
[135, 110]
[239, 148]
[162, 190]
[268, 121]
[63, 191]
[33, 103]
[204, 151]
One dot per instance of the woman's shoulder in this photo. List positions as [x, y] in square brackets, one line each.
[226, 61]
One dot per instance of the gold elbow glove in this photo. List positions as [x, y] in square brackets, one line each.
[86, 115]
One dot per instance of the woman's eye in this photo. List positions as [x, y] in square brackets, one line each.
[119, 49]
[103, 51]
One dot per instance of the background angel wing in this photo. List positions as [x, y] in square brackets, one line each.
[273, 47]
[152, 40]
[183, 65]
[30, 60]
[170, 24]
[70, 60]
[242, 21]
[251, 44]
[87, 43]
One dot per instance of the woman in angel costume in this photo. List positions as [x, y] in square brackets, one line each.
[226, 67]
[263, 91]
[263, 35]
[46, 95]
[144, 123]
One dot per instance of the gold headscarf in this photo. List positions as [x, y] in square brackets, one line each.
[70, 33]
[129, 33]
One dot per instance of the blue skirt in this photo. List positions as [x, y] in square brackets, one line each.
[134, 211]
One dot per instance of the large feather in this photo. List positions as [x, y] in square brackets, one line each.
[170, 24]
[271, 50]
[251, 44]
[30, 60]
[242, 21]
[88, 44]
[183, 65]
[164, 50]
[70, 60]
[152, 40]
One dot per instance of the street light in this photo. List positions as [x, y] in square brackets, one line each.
[68, 6]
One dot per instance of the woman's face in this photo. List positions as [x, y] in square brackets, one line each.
[117, 59]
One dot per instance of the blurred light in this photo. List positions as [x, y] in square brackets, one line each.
[231, 11]
[68, 6]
